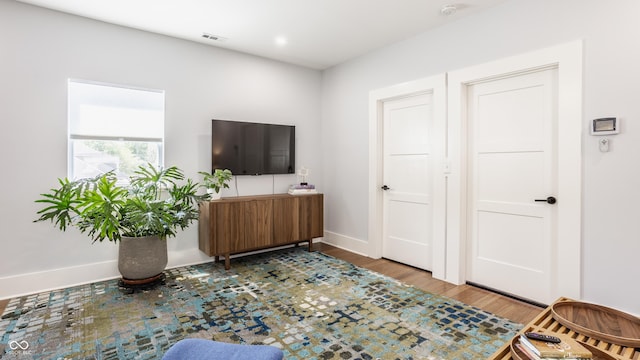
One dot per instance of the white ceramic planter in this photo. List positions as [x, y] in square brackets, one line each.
[214, 195]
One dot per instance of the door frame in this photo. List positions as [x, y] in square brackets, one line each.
[436, 85]
[567, 58]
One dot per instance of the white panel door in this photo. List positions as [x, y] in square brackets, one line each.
[408, 170]
[512, 163]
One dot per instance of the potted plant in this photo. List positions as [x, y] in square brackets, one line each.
[215, 182]
[140, 215]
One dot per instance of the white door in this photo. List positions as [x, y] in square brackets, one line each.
[512, 135]
[407, 174]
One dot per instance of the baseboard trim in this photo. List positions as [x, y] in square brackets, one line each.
[37, 282]
[345, 242]
[53, 279]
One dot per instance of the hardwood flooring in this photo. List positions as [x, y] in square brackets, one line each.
[500, 305]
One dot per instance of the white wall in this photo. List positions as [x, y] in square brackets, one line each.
[40, 49]
[611, 86]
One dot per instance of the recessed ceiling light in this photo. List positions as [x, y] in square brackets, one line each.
[281, 41]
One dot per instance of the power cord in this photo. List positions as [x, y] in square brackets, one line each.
[235, 179]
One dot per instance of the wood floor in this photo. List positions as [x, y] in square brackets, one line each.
[500, 305]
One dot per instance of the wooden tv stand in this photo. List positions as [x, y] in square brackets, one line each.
[247, 223]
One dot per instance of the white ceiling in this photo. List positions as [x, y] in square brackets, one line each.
[319, 33]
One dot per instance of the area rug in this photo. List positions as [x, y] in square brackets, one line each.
[310, 305]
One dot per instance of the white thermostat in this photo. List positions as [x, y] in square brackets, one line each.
[605, 126]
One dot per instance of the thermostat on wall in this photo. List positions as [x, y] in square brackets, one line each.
[605, 126]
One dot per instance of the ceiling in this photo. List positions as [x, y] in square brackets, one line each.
[318, 33]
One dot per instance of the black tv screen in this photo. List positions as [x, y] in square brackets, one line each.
[252, 148]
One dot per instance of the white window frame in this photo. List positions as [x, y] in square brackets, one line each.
[150, 131]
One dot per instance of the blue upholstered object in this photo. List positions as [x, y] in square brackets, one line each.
[201, 349]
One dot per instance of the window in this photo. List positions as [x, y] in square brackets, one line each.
[113, 128]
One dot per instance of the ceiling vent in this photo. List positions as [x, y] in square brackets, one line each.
[448, 10]
[213, 37]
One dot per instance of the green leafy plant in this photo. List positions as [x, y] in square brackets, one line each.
[152, 204]
[216, 181]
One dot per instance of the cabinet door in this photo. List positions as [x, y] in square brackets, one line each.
[228, 227]
[311, 211]
[285, 220]
[205, 229]
[258, 224]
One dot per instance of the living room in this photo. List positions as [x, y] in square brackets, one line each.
[43, 48]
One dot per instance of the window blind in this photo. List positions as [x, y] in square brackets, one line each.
[110, 112]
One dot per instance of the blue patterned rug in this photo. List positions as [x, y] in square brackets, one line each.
[310, 305]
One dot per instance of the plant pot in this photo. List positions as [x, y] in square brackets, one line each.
[142, 259]
[215, 195]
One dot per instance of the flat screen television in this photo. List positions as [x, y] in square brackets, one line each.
[252, 148]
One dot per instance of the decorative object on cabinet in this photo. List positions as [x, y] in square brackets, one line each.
[215, 182]
[303, 172]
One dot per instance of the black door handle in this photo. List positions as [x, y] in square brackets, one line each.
[549, 200]
[385, 187]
